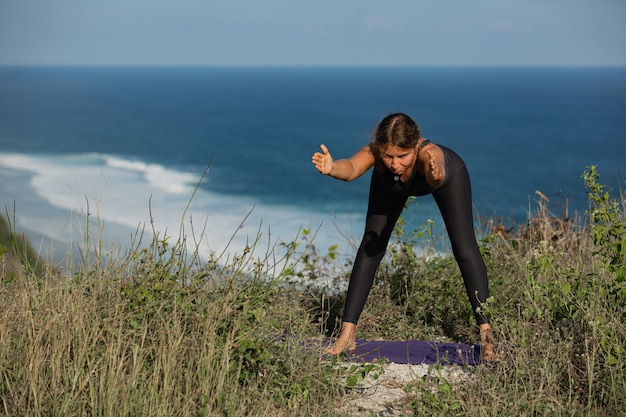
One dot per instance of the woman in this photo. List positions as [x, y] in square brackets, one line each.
[406, 164]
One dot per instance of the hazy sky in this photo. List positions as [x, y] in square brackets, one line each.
[313, 32]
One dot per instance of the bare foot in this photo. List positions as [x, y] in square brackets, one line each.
[345, 341]
[486, 344]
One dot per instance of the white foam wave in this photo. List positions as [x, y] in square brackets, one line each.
[139, 195]
[172, 181]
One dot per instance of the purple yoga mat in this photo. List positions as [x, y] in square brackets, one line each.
[416, 352]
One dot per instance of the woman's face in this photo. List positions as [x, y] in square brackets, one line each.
[398, 160]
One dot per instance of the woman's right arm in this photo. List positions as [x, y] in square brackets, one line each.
[344, 169]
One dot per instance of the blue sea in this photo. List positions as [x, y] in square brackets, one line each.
[122, 149]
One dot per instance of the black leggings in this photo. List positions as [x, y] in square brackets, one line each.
[454, 199]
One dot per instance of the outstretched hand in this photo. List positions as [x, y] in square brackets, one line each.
[433, 167]
[323, 161]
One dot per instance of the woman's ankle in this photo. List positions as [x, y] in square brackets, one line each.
[487, 343]
[346, 339]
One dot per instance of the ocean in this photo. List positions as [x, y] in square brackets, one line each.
[122, 149]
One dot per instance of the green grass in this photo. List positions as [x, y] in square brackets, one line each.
[158, 332]
[16, 251]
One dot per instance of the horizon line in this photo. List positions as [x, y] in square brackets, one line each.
[304, 66]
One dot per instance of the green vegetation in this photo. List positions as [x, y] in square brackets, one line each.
[159, 332]
[17, 252]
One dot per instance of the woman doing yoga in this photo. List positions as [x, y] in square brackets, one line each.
[406, 164]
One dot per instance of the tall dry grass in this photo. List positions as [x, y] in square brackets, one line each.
[153, 333]
[149, 335]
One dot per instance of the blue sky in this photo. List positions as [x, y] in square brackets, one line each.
[320, 32]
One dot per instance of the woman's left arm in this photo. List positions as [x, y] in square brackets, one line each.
[434, 167]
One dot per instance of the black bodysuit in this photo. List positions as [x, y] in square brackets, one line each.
[387, 198]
